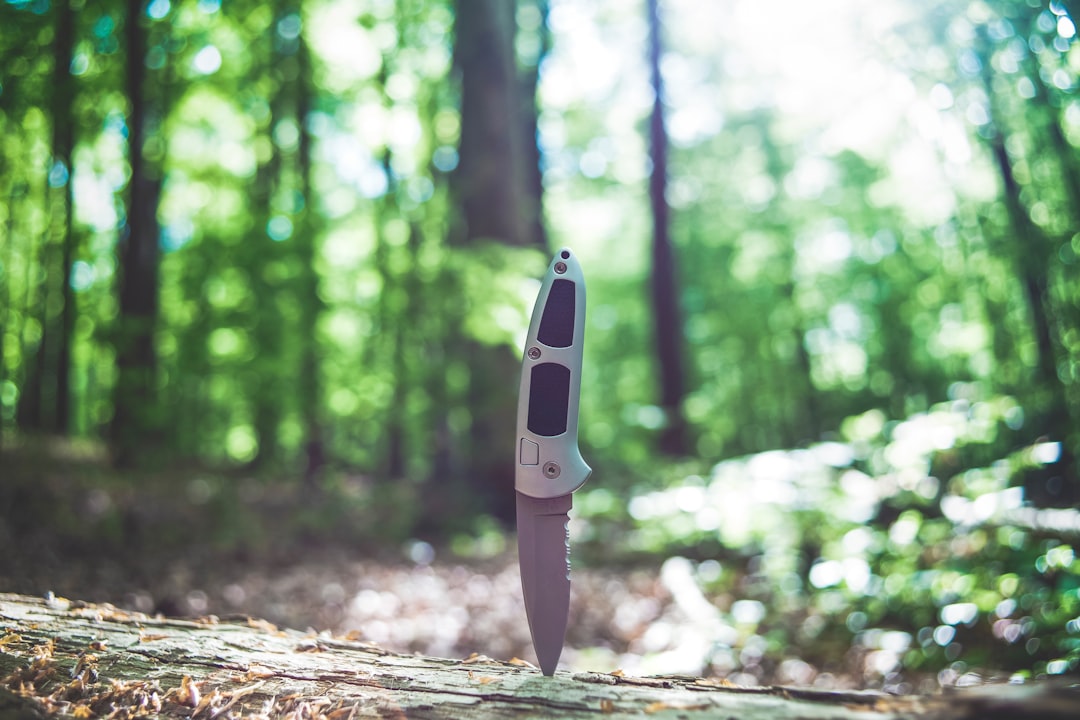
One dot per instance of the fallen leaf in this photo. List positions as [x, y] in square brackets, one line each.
[716, 682]
[188, 693]
[262, 625]
[482, 679]
[206, 702]
[44, 651]
[477, 658]
[661, 706]
[237, 695]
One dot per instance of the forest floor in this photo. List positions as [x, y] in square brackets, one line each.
[185, 543]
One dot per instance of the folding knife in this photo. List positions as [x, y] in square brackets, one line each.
[549, 465]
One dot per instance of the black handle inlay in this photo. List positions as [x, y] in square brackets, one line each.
[549, 398]
[557, 322]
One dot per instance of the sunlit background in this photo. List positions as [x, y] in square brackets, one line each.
[874, 213]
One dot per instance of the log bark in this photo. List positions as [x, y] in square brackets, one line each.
[73, 659]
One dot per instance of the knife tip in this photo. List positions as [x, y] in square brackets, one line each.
[550, 660]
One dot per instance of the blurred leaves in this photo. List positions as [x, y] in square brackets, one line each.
[835, 256]
[863, 542]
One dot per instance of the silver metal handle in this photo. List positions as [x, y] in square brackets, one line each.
[548, 462]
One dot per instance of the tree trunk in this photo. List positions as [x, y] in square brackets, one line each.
[490, 185]
[803, 418]
[1030, 259]
[667, 316]
[59, 657]
[135, 416]
[534, 176]
[387, 350]
[491, 174]
[19, 320]
[310, 385]
[8, 314]
[33, 401]
[263, 374]
[1033, 260]
[1050, 104]
[63, 144]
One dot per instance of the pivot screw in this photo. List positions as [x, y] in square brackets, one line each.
[552, 470]
[534, 353]
[560, 267]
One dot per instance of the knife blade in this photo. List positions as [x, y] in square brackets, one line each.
[549, 466]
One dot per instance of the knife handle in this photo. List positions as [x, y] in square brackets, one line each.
[549, 463]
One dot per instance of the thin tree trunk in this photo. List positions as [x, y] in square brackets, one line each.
[264, 372]
[310, 385]
[63, 145]
[667, 315]
[803, 380]
[33, 399]
[1069, 164]
[1032, 258]
[534, 177]
[7, 310]
[803, 419]
[24, 408]
[387, 351]
[135, 411]
[1057, 485]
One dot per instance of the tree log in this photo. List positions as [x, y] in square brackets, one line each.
[73, 659]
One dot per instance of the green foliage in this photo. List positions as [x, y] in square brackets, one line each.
[816, 282]
[890, 540]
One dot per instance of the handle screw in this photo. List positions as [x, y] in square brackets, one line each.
[534, 353]
[552, 470]
[560, 267]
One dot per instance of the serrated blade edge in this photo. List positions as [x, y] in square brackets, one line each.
[544, 560]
